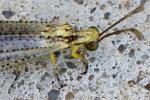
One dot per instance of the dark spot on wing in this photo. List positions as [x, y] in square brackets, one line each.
[22, 27]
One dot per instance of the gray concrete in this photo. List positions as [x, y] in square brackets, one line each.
[118, 70]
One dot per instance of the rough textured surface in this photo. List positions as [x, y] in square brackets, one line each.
[123, 74]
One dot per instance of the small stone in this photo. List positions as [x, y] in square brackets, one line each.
[138, 62]
[92, 89]
[131, 53]
[69, 73]
[70, 65]
[131, 83]
[114, 76]
[43, 78]
[148, 18]
[97, 98]
[92, 59]
[8, 13]
[145, 56]
[107, 15]
[147, 86]
[20, 83]
[91, 18]
[93, 9]
[69, 96]
[113, 67]
[96, 70]
[62, 70]
[71, 78]
[79, 77]
[53, 94]
[79, 1]
[39, 87]
[91, 77]
[120, 6]
[102, 7]
[122, 48]
[26, 69]
[113, 42]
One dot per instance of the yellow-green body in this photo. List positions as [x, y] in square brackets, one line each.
[56, 37]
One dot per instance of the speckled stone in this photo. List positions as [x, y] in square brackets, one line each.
[131, 53]
[97, 98]
[147, 86]
[92, 59]
[107, 15]
[69, 96]
[91, 77]
[8, 13]
[53, 94]
[62, 70]
[122, 48]
[70, 65]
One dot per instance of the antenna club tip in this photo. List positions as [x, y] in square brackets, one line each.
[139, 9]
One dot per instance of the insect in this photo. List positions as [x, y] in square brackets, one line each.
[24, 40]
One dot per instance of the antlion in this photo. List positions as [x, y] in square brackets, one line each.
[21, 41]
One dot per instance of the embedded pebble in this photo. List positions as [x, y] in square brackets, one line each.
[79, 77]
[53, 94]
[145, 56]
[92, 59]
[147, 18]
[70, 65]
[122, 48]
[96, 70]
[147, 86]
[69, 96]
[92, 10]
[92, 89]
[8, 13]
[91, 77]
[131, 53]
[62, 71]
[97, 98]
[114, 76]
[102, 7]
[107, 15]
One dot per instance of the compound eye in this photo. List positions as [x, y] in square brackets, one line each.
[92, 45]
[93, 27]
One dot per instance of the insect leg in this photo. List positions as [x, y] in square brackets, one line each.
[53, 60]
[133, 30]
[17, 72]
[77, 51]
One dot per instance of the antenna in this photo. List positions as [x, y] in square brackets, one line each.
[137, 10]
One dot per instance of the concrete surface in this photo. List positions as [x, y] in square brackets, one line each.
[118, 70]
